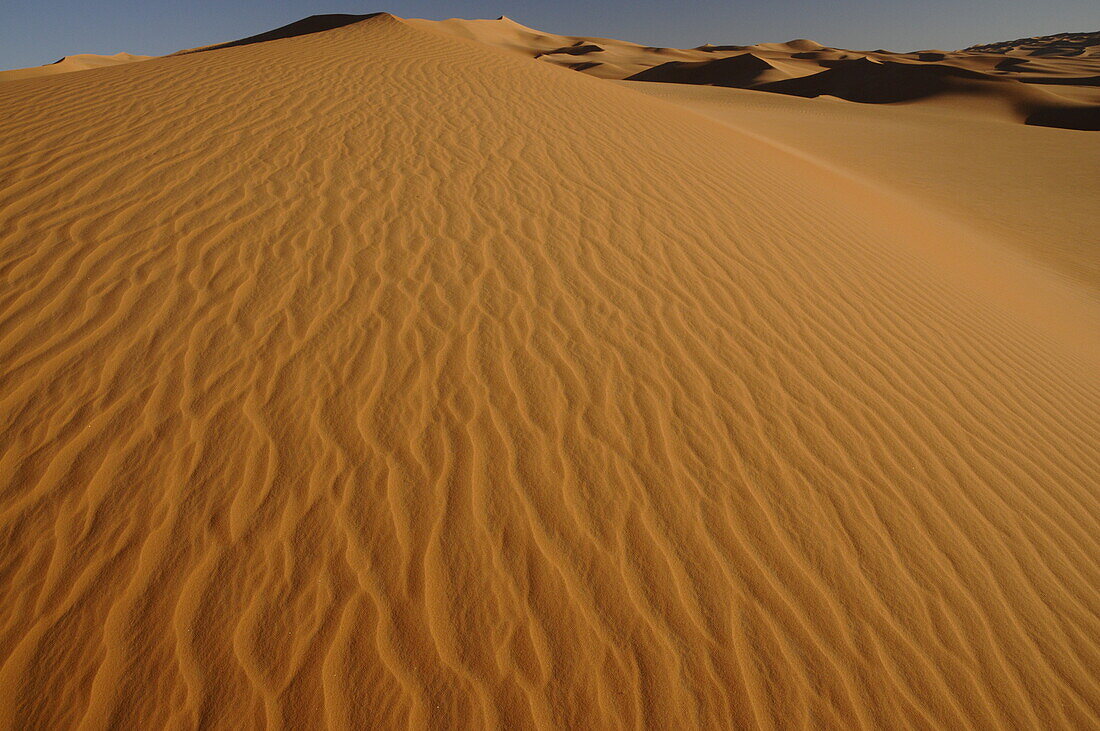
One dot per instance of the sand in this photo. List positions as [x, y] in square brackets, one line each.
[381, 377]
[1034, 188]
[75, 62]
[1050, 81]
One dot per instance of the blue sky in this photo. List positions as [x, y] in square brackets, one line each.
[34, 32]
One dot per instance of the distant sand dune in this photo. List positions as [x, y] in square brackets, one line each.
[744, 69]
[76, 62]
[1061, 44]
[881, 82]
[376, 377]
[1010, 88]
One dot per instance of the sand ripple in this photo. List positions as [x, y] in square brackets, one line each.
[359, 379]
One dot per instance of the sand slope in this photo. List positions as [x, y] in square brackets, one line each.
[1033, 188]
[1055, 85]
[605, 58]
[403, 381]
[75, 62]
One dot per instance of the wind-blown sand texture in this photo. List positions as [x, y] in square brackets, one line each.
[1032, 187]
[378, 377]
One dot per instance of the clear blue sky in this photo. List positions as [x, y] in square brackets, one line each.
[34, 32]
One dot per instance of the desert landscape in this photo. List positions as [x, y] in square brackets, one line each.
[373, 372]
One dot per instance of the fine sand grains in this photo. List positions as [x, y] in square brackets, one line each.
[376, 378]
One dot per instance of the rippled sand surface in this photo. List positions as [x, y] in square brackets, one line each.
[377, 378]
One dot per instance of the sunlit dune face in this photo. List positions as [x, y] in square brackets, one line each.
[382, 375]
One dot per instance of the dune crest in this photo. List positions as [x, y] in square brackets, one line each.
[305, 26]
[75, 62]
[406, 381]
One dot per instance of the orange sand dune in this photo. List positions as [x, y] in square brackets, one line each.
[1063, 98]
[305, 26]
[602, 57]
[76, 62]
[741, 70]
[378, 377]
[1033, 188]
[1058, 85]
[1050, 81]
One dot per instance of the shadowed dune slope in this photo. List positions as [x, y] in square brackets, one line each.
[876, 82]
[305, 26]
[741, 70]
[375, 378]
[1067, 117]
[873, 81]
[600, 57]
[881, 82]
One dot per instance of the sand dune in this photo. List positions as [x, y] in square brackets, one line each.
[605, 58]
[1061, 44]
[1033, 189]
[407, 381]
[741, 70]
[1012, 90]
[305, 26]
[76, 62]
[1055, 86]
[1051, 81]
[871, 81]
